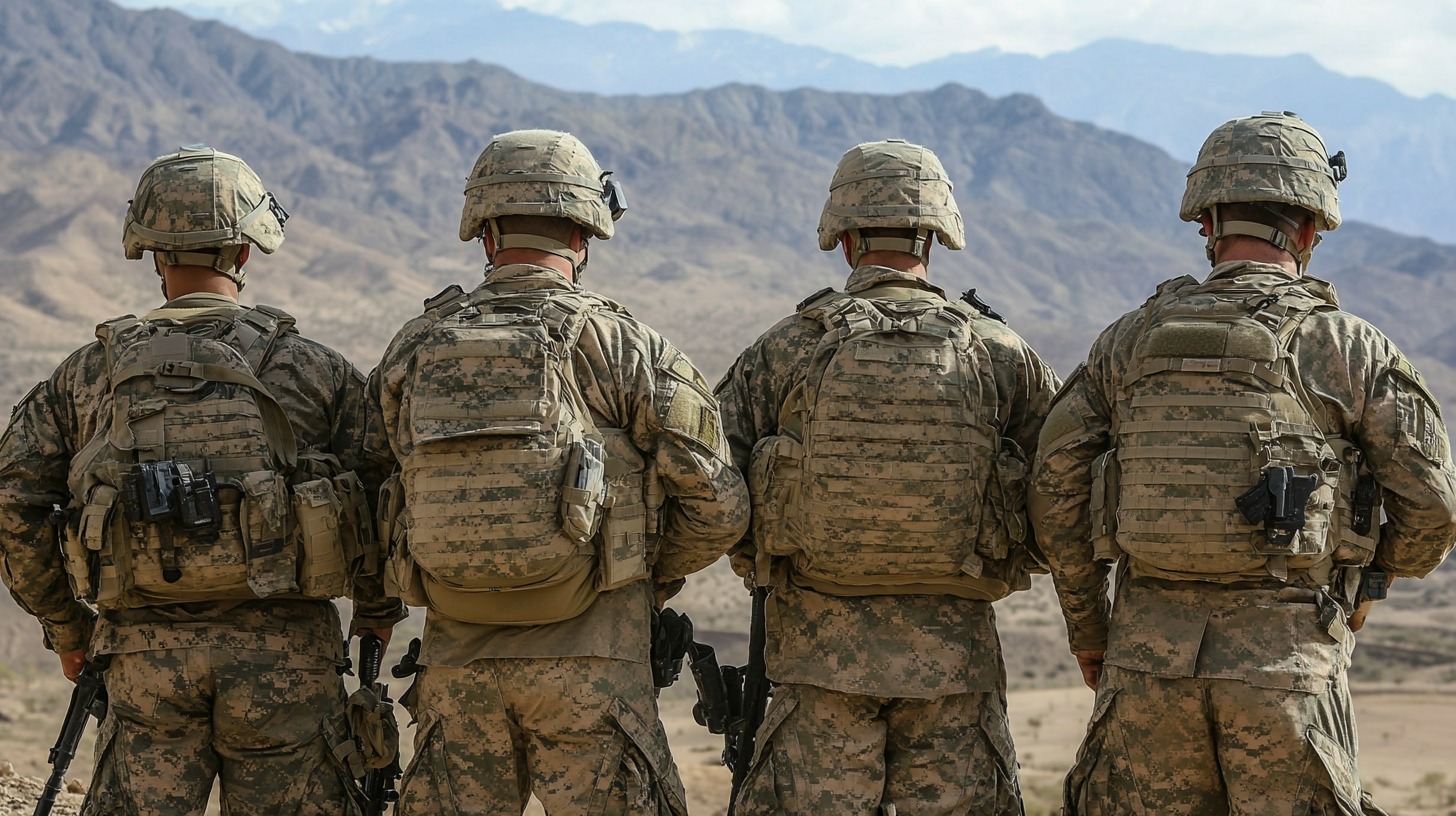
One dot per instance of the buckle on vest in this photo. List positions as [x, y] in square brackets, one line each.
[179, 375]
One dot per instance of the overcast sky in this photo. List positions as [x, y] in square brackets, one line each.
[1409, 43]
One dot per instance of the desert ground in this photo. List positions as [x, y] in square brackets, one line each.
[1405, 685]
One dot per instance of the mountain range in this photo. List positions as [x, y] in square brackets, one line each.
[1400, 149]
[1068, 224]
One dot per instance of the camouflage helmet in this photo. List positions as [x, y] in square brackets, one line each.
[542, 173]
[890, 184]
[197, 199]
[1272, 157]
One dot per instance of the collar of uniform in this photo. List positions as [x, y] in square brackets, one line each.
[525, 277]
[194, 304]
[869, 277]
[1233, 269]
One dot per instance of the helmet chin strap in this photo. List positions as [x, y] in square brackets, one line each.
[224, 262]
[1264, 232]
[861, 244]
[541, 243]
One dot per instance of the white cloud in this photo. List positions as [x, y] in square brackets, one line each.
[1411, 44]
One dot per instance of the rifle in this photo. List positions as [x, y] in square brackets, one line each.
[738, 754]
[378, 784]
[88, 699]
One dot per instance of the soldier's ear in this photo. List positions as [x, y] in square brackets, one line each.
[243, 255]
[1307, 234]
[844, 244]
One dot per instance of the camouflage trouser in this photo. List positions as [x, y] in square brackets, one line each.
[822, 751]
[1203, 747]
[581, 733]
[264, 721]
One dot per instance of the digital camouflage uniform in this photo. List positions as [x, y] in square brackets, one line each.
[248, 691]
[1228, 694]
[879, 700]
[567, 711]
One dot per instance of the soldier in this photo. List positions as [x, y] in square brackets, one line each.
[210, 462]
[885, 432]
[561, 467]
[1229, 447]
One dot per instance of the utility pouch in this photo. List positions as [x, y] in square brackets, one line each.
[1006, 505]
[585, 490]
[356, 526]
[627, 517]
[773, 486]
[87, 538]
[1102, 511]
[1355, 521]
[266, 533]
[324, 571]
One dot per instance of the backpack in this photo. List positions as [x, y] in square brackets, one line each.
[1223, 468]
[889, 474]
[191, 488]
[512, 507]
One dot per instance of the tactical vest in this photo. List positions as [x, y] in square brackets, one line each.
[889, 474]
[513, 507]
[191, 489]
[1210, 410]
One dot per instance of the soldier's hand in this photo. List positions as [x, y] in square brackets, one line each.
[1090, 662]
[383, 634]
[72, 662]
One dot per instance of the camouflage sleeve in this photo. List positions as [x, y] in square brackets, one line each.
[351, 438]
[34, 456]
[752, 395]
[1402, 432]
[1075, 433]
[665, 405]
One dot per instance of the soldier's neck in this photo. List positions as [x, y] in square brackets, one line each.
[535, 257]
[179, 281]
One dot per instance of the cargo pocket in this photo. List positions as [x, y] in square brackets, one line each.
[773, 486]
[266, 530]
[998, 791]
[333, 779]
[1100, 782]
[323, 571]
[1331, 783]
[642, 779]
[107, 795]
[425, 787]
[770, 785]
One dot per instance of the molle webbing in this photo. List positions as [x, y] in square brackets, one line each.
[495, 423]
[1209, 400]
[898, 436]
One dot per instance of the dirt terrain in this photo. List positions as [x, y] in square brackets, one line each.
[1405, 681]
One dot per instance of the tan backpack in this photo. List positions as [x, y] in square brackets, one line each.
[1222, 468]
[191, 489]
[889, 474]
[513, 507]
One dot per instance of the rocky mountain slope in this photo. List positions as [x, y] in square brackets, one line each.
[1068, 224]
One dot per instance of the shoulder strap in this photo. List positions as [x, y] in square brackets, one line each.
[450, 295]
[814, 299]
[255, 333]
